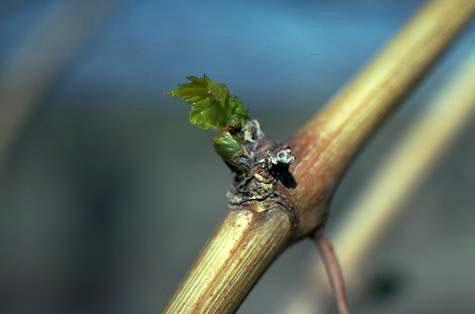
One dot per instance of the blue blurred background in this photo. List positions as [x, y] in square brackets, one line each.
[107, 194]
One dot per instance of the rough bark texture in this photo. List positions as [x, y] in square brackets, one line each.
[232, 261]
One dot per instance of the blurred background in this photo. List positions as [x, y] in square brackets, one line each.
[107, 194]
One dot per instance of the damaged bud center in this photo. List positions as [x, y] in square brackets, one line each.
[260, 168]
[283, 157]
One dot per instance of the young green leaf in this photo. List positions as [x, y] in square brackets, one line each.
[226, 145]
[212, 106]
